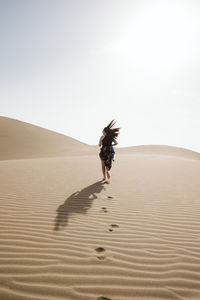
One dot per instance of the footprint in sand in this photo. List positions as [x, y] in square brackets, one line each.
[100, 250]
[103, 298]
[104, 209]
[101, 257]
[113, 226]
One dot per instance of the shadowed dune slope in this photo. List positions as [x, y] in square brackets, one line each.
[21, 140]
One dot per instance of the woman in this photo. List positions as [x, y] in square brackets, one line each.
[106, 142]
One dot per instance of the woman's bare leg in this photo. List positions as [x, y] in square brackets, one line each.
[108, 174]
[103, 169]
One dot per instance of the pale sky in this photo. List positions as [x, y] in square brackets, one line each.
[74, 65]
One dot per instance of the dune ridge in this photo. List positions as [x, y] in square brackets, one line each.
[21, 140]
[66, 235]
[160, 150]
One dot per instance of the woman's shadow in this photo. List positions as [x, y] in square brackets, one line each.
[78, 202]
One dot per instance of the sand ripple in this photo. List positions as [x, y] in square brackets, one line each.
[133, 239]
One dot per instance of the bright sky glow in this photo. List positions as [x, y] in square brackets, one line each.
[73, 66]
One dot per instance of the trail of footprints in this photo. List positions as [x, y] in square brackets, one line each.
[100, 250]
[104, 209]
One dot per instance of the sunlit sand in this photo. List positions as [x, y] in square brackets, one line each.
[67, 235]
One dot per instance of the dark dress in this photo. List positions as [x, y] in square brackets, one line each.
[107, 152]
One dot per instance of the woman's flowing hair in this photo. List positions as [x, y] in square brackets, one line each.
[110, 131]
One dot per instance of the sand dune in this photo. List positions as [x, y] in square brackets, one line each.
[21, 140]
[163, 150]
[65, 235]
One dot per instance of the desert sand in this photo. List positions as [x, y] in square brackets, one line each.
[66, 235]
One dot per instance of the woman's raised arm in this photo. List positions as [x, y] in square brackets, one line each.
[115, 142]
[100, 141]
